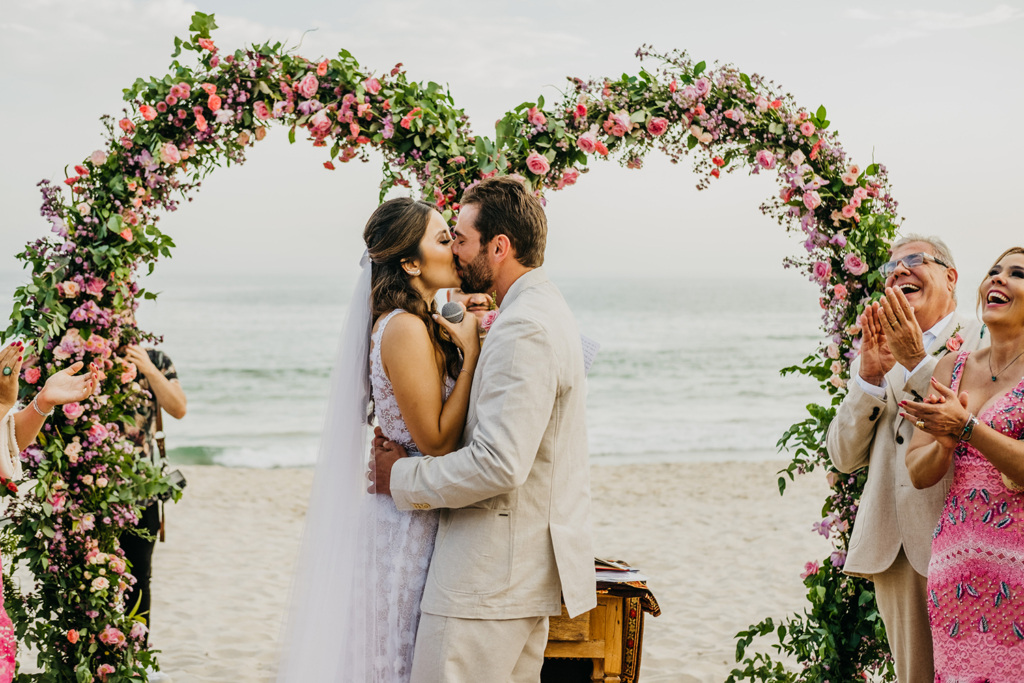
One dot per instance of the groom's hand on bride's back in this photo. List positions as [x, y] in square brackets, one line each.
[383, 456]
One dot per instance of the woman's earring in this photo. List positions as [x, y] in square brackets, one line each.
[414, 273]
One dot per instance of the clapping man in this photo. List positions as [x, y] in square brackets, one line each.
[903, 336]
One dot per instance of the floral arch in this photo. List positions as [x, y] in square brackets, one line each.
[181, 126]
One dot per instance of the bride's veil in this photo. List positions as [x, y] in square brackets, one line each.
[327, 630]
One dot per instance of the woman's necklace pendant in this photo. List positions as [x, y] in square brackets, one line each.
[993, 378]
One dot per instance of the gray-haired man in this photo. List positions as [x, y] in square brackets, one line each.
[903, 337]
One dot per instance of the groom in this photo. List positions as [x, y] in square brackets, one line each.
[514, 538]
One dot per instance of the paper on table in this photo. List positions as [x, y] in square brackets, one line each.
[590, 349]
[619, 577]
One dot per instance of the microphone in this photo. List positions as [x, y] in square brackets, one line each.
[453, 312]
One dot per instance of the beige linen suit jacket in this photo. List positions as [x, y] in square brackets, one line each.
[515, 533]
[868, 431]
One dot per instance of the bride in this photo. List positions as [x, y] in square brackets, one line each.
[363, 564]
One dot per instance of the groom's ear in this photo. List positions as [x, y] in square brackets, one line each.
[501, 248]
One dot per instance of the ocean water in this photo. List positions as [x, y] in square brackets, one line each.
[688, 369]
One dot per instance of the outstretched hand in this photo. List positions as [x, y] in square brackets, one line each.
[67, 387]
[943, 414]
[383, 456]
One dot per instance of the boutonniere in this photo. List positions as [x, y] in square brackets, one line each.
[954, 342]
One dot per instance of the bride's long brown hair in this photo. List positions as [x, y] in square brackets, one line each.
[393, 235]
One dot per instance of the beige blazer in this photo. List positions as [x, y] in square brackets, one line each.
[515, 531]
[869, 431]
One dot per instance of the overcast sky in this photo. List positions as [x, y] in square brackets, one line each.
[931, 89]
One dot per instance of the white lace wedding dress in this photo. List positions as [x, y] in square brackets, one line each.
[403, 542]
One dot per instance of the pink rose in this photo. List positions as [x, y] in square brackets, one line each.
[127, 235]
[73, 411]
[860, 193]
[185, 89]
[840, 292]
[849, 179]
[112, 636]
[536, 117]
[100, 583]
[201, 122]
[807, 128]
[761, 102]
[321, 68]
[94, 286]
[822, 271]
[308, 86]
[812, 200]
[488, 320]
[766, 159]
[537, 164]
[98, 432]
[72, 636]
[147, 112]
[320, 124]
[261, 111]
[618, 124]
[569, 177]
[169, 153]
[854, 169]
[849, 211]
[32, 375]
[702, 86]
[243, 139]
[104, 670]
[372, 85]
[587, 143]
[832, 350]
[853, 265]
[117, 565]
[810, 569]
[657, 126]
[127, 126]
[213, 102]
[128, 374]
[954, 343]
[98, 158]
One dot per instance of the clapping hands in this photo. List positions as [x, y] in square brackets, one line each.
[942, 414]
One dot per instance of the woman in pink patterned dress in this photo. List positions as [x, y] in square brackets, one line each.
[976, 574]
[18, 429]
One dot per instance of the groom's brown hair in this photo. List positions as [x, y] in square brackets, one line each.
[506, 207]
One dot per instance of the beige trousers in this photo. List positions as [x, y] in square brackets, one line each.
[902, 596]
[451, 650]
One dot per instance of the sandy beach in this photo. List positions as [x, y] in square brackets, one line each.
[722, 548]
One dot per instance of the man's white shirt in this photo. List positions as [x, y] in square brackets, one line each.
[927, 339]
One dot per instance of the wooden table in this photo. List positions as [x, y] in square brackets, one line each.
[596, 635]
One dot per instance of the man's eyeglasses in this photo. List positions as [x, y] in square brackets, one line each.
[909, 261]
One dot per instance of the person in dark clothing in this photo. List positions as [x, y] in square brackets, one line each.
[157, 377]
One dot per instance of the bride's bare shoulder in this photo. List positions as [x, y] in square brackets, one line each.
[403, 333]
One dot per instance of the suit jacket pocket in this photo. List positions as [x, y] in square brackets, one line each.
[475, 554]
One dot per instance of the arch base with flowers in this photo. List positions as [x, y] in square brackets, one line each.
[85, 485]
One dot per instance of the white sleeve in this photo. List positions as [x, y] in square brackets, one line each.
[871, 389]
